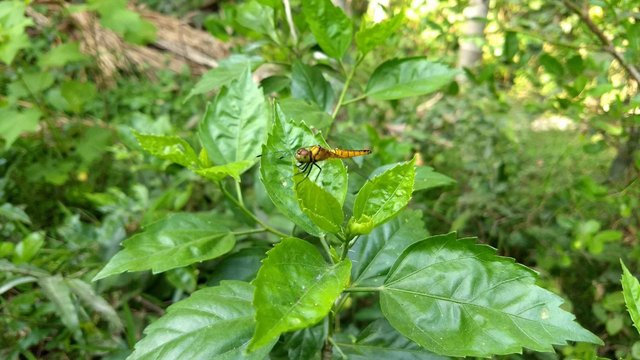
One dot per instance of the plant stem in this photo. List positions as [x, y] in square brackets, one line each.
[323, 241]
[249, 232]
[250, 214]
[358, 98]
[292, 28]
[344, 92]
[239, 193]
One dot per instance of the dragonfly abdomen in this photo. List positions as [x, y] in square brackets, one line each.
[346, 154]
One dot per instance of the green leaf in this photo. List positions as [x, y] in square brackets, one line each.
[258, 18]
[457, 298]
[175, 241]
[277, 172]
[228, 70]
[631, 292]
[373, 254]
[306, 343]
[77, 94]
[11, 212]
[13, 124]
[13, 35]
[401, 78]
[170, 148]
[57, 291]
[213, 323]
[551, 65]
[27, 249]
[31, 84]
[311, 113]
[62, 55]
[510, 48]
[427, 179]
[380, 341]
[217, 173]
[95, 302]
[295, 288]
[330, 26]
[235, 125]
[308, 83]
[367, 38]
[320, 206]
[385, 195]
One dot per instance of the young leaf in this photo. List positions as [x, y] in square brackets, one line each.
[57, 291]
[427, 179]
[631, 292]
[92, 300]
[307, 83]
[235, 125]
[320, 206]
[401, 78]
[258, 18]
[278, 177]
[380, 341]
[383, 196]
[62, 55]
[373, 254]
[175, 241]
[457, 298]
[367, 38]
[213, 323]
[295, 288]
[217, 173]
[13, 124]
[228, 70]
[13, 24]
[332, 29]
[171, 148]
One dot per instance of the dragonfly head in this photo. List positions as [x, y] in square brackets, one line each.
[303, 155]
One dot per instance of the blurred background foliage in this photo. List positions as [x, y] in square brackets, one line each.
[541, 134]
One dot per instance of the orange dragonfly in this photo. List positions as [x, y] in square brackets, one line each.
[308, 157]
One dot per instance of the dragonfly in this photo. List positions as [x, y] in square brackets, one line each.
[308, 157]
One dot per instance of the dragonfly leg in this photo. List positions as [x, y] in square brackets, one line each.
[319, 172]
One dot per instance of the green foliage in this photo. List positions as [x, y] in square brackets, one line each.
[631, 292]
[272, 263]
[295, 288]
[493, 299]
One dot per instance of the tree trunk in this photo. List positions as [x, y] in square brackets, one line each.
[470, 53]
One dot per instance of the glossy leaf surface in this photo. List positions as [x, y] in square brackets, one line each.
[380, 341]
[213, 323]
[175, 241]
[457, 298]
[171, 148]
[308, 83]
[312, 114]
[278, 175]
[332, 29]
[295, 288]
[235, 125]
[401, 78]
[373, 254]
[320, 206]
[385, 195]
[631, 292]
[427, 179]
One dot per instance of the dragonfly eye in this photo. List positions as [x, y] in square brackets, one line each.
[302, 154]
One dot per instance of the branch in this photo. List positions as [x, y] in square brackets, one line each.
[604, 40]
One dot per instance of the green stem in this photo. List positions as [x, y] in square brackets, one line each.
[345, 251]
[358, 98]
[323, 241]
[239, 193]
[250, 214]
[364, 289]
[343, 93]
[249, 232]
